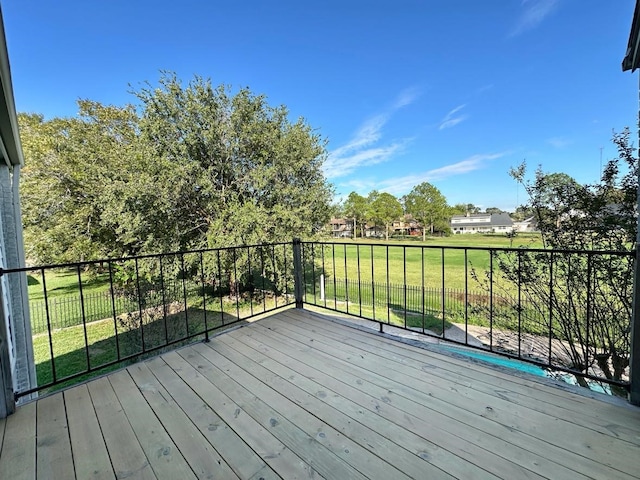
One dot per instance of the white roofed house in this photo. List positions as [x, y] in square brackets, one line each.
[481, 223]
[17, 371]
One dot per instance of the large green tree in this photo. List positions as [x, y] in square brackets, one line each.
[245, 173]
[384, 208]
[356, 207]
[192, 166]
[69, 165]
[427, 205]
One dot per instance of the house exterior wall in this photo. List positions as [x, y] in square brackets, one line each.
[482, 223]
[14, 293]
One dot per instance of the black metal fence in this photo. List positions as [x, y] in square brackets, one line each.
[70, 310]
[91, 316]
[564, 310]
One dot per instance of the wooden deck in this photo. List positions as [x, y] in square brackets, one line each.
[297, 395]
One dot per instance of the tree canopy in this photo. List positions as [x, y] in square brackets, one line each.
[192, 166]
[594, 322]
[356, 207]
[384, 208]
[427, 205]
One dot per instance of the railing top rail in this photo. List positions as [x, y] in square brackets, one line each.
[136, 257]
[620, 253]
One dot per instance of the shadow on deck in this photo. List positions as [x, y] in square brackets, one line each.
[298, 395]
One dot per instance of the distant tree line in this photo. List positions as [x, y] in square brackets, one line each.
[190, 166]
[425, 204]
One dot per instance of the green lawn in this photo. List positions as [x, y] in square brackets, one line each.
[400, 263]
[62, 282]
[404, 262]
[106, 338]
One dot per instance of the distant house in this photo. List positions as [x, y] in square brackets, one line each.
[374, 231]
[341, 227]
[527, 225]
[407, 225]
[481, 223]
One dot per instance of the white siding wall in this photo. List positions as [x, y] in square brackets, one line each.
[14, 298]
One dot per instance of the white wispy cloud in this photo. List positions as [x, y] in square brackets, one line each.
[402, 185]
[453, 118]
[364, 148]
[339, 166]
[534, 12]
[406, 97]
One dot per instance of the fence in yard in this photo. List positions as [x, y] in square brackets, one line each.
[568, 310]
[66, 311]
[152, 302]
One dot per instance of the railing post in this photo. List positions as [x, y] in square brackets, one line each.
[297, 272]
[634, 344]
[634, 341]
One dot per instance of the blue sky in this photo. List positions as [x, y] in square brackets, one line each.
[452, 92]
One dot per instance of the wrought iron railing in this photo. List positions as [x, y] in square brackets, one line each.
[564, 310]
[90, 316]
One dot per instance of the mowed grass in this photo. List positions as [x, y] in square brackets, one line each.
[61, 282]
[437, 263]
[80, 348]
[397, 262]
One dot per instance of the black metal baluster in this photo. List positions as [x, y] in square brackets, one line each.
[236, 283]
[335, 287]
[140, 305]
[422, 287]
[184, 295]
[491, 300]
[443, 295]
[346, 275]
[466, 297]
[586, 354]
[113, 310]
[388, 292]
[220, 287]
[264, 285]
[550, 305]
[373, 283]
[46, 306]
[519, 304]
[84, 319]
[250, 278]
[164, 303]
[359, 278]
[404, 273]
[204, 298]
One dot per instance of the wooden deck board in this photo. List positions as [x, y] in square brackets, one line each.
[18, 456]
[91, 459]
[297, 395]
[127, 455]
[447, 432]
[198, 452]
[476, 408]
[348, 417]
[54, 446]
[586, 411]
[165, 458]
